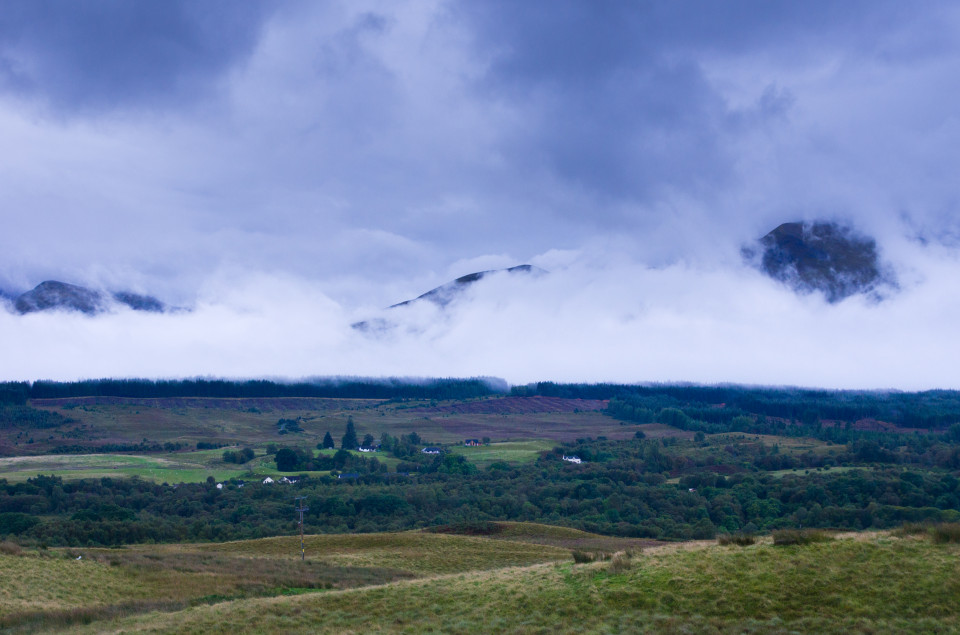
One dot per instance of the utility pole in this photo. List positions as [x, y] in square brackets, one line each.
[300, 509]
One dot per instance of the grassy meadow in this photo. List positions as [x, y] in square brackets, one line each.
[420, 582]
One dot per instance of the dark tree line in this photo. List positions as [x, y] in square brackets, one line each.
[349, 388]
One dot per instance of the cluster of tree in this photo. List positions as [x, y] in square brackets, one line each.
[144, 447]
[352, 388]
[661, 488]
[285, 426]
[303, 460]
[241, 456]
[19, 416]
[720, 418]
[933, 409]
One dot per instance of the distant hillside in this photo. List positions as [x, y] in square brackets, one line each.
[822, 257]
[53, 295]
[445, 294]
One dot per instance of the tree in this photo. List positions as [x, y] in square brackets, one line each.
[367, 440]
[328, 441]
[287, 460]
[349, 441]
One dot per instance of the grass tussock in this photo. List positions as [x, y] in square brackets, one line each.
[787, 537]
[585, 557]
[945, 532]
[940, 533]
[9, 548]
[738, 539]
[620, 563]
[911, 529]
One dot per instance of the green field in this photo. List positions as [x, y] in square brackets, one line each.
[508, 451]
[418, 582]
[170, 468]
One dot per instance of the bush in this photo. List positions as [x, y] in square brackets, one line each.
[945, 532]
[619, 563]
[785, 537]
[10, 548]
[911, 529]
[583, 557]
[739, 539]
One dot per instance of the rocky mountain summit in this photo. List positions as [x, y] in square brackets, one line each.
[53, 295]
[823, 257]
[445, 294]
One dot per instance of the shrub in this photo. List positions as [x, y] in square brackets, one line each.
[945, 532]
[619, 563]
[583, 557]
[10, 548]
[785, 537]
[911, 529]
[739, 539]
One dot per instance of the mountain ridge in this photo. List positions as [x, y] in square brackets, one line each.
[822, 256]
[53, 295]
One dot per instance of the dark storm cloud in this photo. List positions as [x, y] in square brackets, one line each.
[614, 96]
[109, 54]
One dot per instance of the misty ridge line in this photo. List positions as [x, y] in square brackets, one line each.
[820, 256]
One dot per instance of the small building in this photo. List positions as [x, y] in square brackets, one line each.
[572, 459]
[268, 480]
[430, 450]
[364, 448]
[288, 480]
[219, 485]
[472, 442]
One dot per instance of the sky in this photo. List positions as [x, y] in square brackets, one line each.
[282, 170]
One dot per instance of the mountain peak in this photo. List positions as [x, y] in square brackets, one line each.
[53, 295]
[822, 256]
[447, 293]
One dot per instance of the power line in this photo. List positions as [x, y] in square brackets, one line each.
[300, 509]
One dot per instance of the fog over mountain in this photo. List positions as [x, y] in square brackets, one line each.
[284, 171]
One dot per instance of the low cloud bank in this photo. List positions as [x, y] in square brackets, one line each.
[584, 322]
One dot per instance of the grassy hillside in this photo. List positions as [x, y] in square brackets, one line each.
[44, 589]
[105, 424]
[862, 583]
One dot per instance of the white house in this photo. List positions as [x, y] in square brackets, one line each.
[219, 485]
[430, 450]
[267, 480]
[572, 459]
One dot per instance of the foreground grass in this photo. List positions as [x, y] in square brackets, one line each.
[869, 584]
[43, 590]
